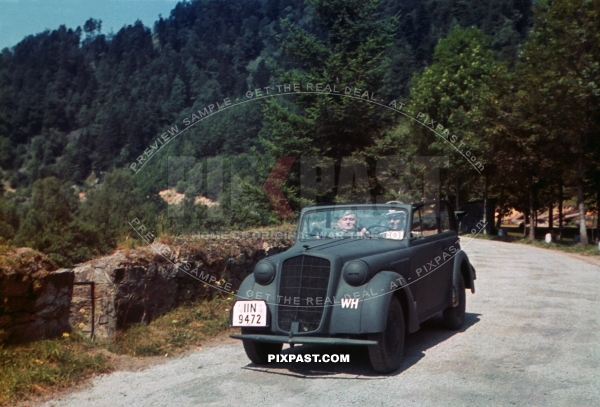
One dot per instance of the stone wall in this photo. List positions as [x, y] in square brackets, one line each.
[136, 286]
[35, 306]
[129, 286]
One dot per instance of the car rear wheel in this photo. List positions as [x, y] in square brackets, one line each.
[258, 352]
[454, 317]
[387, 354]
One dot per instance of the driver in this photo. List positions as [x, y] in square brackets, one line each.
[347, 226]
[347, 222]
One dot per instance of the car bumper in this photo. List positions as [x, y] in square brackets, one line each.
[303, 339]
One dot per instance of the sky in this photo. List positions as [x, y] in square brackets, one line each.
[19, 18]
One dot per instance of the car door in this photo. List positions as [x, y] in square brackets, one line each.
[448, 247]
[430, 268]
[421, 248]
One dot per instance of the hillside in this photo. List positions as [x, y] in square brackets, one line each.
[80, 109]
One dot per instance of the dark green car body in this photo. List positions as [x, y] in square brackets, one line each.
[339, 291]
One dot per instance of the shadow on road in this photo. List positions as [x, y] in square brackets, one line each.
[432, 333]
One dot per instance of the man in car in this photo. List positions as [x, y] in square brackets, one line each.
[346, 226]
[347, 221]
[396, 224]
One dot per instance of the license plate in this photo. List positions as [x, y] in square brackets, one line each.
[249, 313]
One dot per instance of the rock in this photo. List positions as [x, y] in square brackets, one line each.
[147, 282]
[241, 259]
[152, 270]
[5, 320]
[43, 312]
[117, 275]
[47, 297]
[18, 304]
[14, 287]
[237, 270]
[243, 275]
[23, 318]
[271, 251]
[235, 283]
[259, 254]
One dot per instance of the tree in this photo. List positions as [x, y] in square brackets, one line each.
[347, 48]
[113, 204]
[563, 56]
[460, 91]
[92, 27]
[51, 225]
[9, 220]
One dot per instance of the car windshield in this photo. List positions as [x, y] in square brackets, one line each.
[370, 222]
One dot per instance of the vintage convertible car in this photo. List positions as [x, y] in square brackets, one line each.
[363, 275]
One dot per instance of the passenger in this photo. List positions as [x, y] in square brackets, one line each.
[396, 224]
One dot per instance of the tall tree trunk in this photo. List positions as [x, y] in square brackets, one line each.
[598, 209]
[550, 209]
[560, 208]
[583, 237]
[531, 210]
[501, 209]
[456, 191]
[486, 229]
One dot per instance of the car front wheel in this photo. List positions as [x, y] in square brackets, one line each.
[258, 352]
[454, 317]
[387, 354]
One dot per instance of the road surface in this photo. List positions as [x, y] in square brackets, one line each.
[531, 338]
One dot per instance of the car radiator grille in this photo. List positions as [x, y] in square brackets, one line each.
[303, 280]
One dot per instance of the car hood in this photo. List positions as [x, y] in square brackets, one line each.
[345, 249]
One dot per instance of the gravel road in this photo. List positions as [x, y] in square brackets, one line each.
[531, 338]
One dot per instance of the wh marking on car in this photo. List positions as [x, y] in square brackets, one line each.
[364, 275]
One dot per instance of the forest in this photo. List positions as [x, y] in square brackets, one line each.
[98, 129]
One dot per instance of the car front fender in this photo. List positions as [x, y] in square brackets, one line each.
[373, 317]
[463, 266]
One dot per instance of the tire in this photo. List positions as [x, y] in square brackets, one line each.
[454, 317]
[387, 354]
[258, 352]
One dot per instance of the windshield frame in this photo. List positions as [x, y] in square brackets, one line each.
[330, 220]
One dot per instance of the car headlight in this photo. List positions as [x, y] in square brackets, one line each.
[264, 272]
[356, 272]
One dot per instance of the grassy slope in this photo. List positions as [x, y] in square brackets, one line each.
[42, 367]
